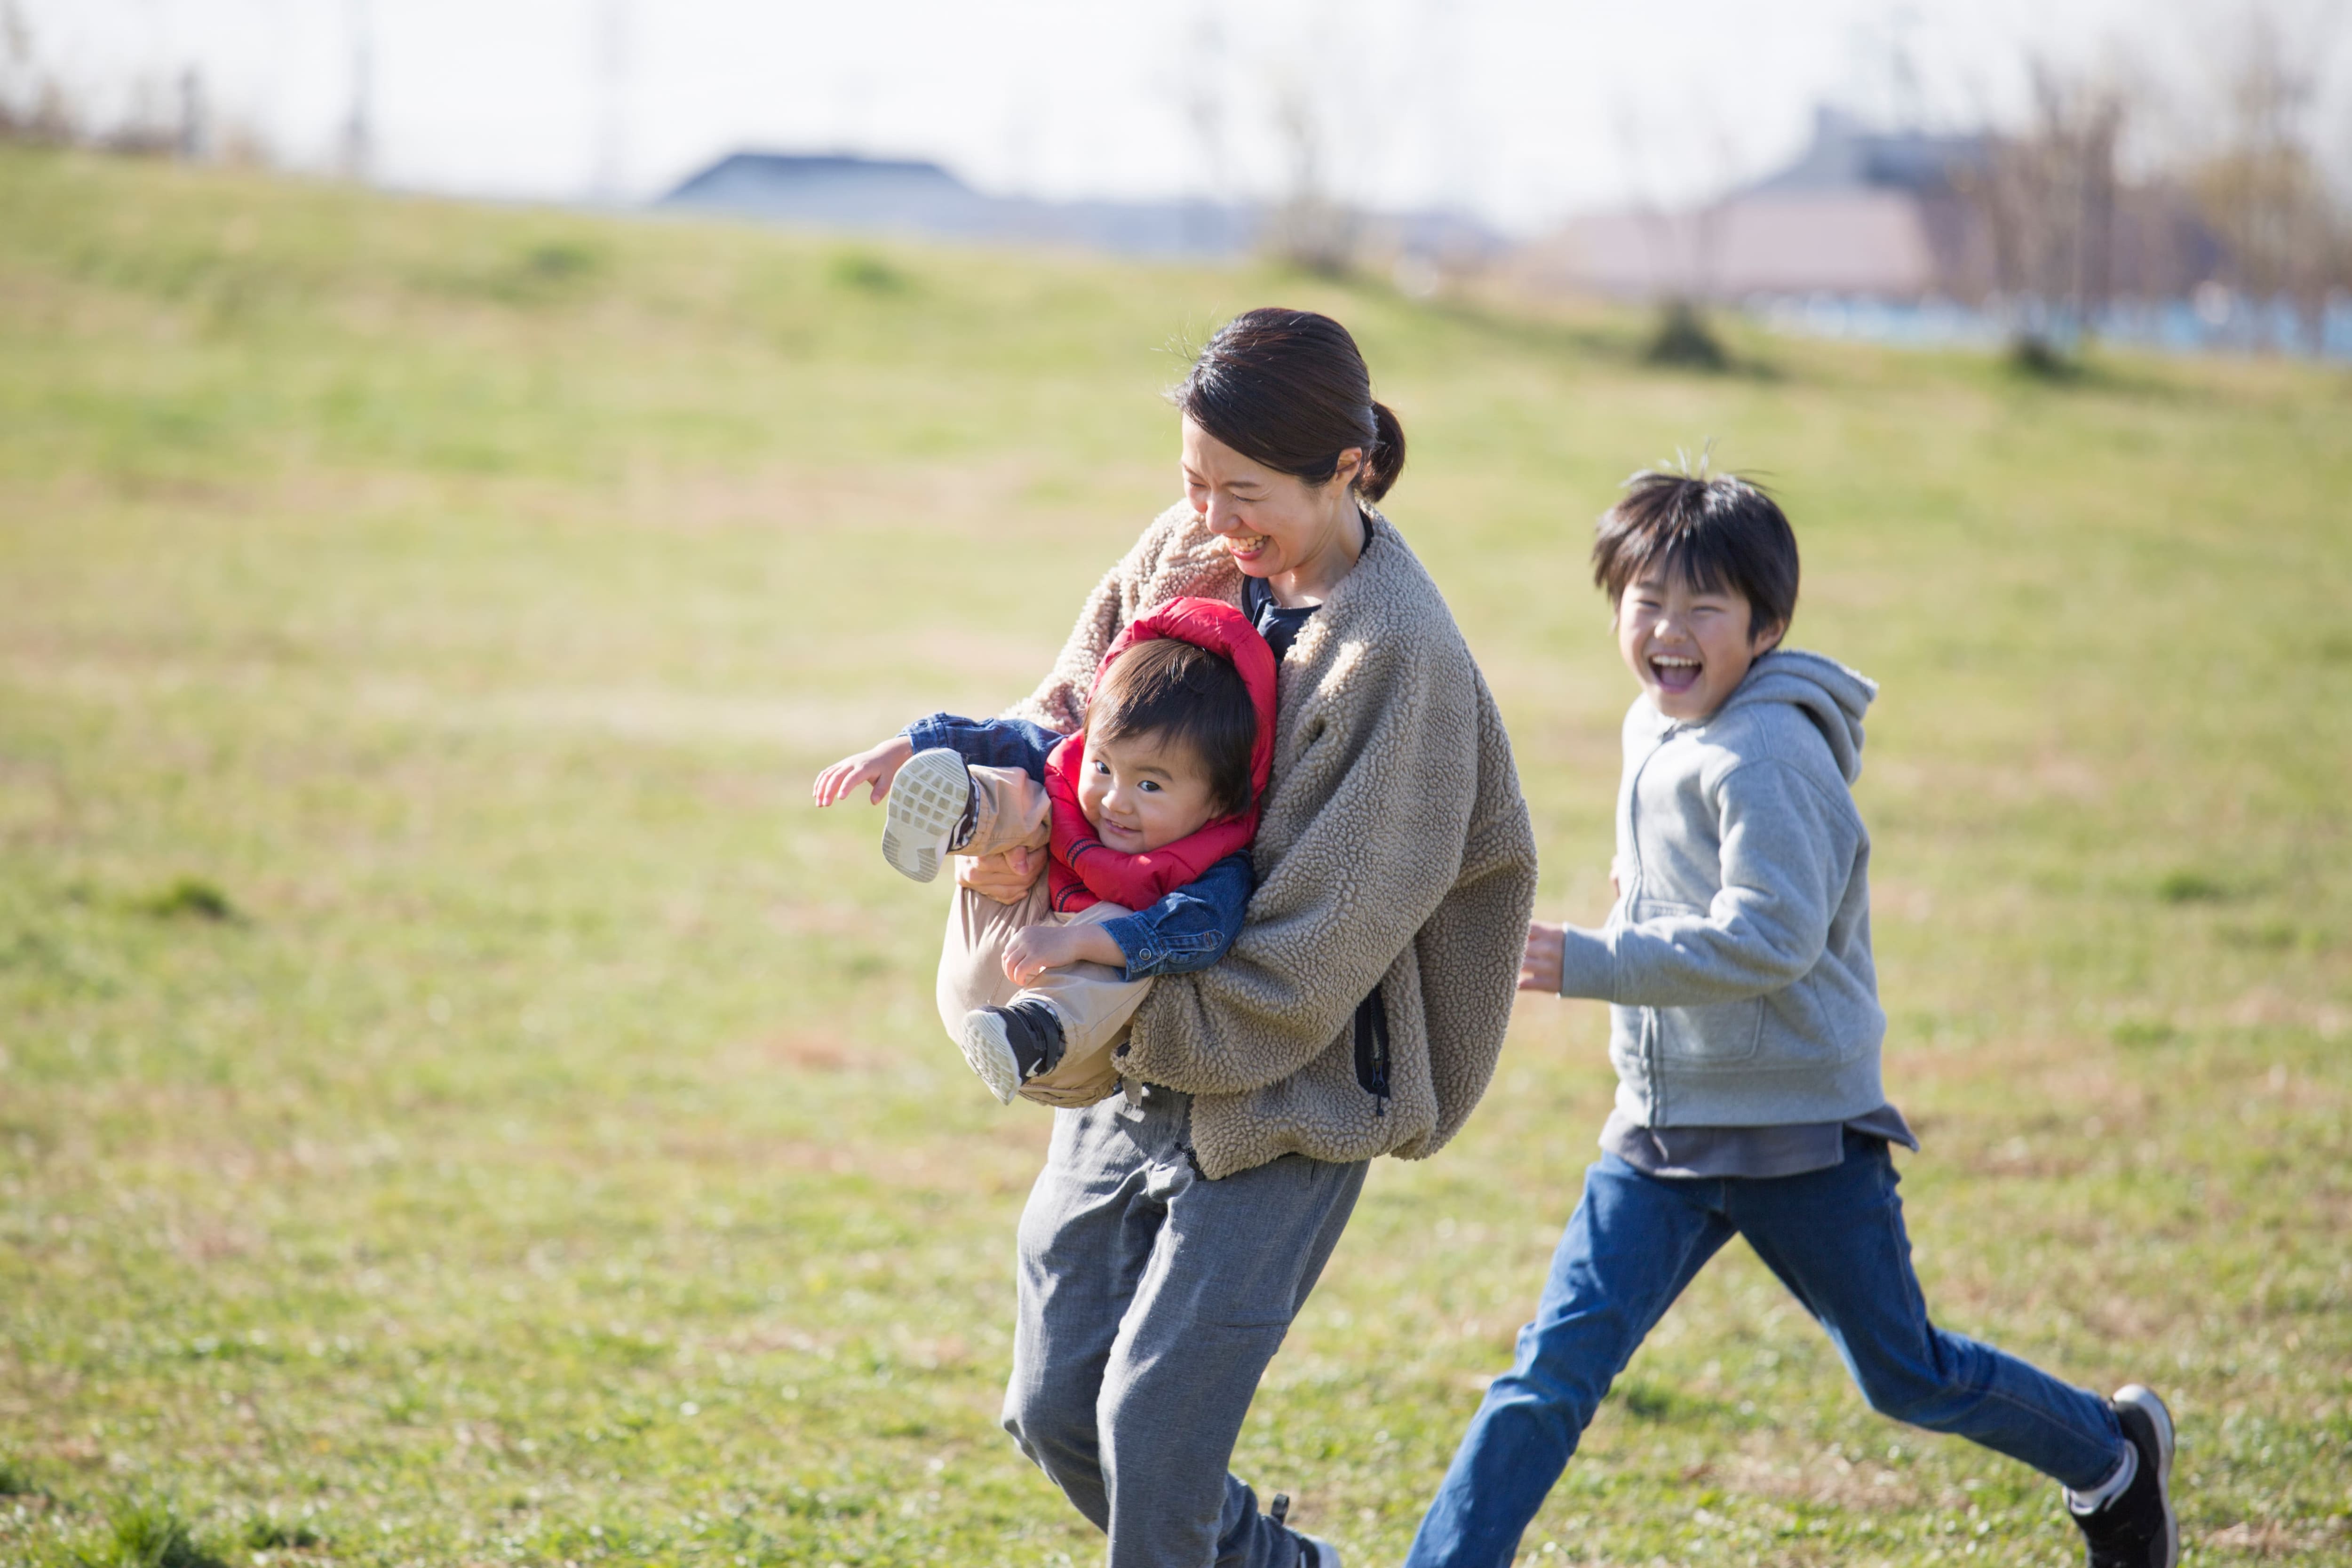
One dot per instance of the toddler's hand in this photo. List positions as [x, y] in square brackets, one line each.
[1036, 949]
[876, 765]
[1539, 966]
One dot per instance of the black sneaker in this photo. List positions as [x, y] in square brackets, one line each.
[2137, 1527]
[1007, 1047]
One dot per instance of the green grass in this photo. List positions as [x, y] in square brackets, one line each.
[459, 1104]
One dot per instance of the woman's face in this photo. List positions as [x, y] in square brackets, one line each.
[1270, 524]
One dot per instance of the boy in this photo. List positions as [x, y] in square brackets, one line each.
[1146, 816]
[1745, 1030]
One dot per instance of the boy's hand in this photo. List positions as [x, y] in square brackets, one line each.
[876, 765]
[1540, 966]
[1036, 949]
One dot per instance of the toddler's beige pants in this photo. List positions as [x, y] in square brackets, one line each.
[1092, 999]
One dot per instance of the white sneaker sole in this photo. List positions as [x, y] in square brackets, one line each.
[2144, 1400]
[989, 1053]
[926, 805]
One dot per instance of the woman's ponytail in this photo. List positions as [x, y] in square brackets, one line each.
[1385, 458]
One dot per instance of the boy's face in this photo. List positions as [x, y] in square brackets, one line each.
[1142, 792]
[1689, 647]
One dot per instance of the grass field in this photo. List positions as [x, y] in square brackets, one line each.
[459, 1105]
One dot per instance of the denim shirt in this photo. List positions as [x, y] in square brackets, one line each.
[1189, 929]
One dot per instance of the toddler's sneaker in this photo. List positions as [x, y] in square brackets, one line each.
[1009, 1046]
[2134, 1526]
[928, 803]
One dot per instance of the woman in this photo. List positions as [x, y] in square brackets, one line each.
[1177, 1227]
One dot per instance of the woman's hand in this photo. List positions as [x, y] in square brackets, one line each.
[876, 765]
[1540, 966]
[1036, 949]
[1005, 877]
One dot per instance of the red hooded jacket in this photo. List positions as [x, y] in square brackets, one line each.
[1083, 870]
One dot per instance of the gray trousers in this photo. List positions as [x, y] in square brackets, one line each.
[1150, 1301]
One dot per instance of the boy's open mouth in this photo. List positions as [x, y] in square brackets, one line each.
[1675, 672]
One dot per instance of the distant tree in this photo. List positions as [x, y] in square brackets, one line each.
[1685, 248]
[2258, 177]
[1310, 228]
[2047, 198]
[32, 106]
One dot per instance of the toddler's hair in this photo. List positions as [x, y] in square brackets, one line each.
[1715, 532]
[1186, 694]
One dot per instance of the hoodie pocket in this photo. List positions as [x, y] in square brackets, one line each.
[1720, 1034]
[1724, 1034]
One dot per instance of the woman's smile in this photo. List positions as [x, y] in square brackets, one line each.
[1300, 538]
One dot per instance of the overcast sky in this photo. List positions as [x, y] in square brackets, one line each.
[1520, 110]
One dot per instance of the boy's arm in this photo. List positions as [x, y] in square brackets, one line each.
[987, 743]
[1190, 929]
[1788, 848]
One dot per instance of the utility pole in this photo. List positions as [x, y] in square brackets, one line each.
[611, 175]
[359, 127]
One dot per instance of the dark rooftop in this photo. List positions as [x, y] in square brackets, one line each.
[1847, 156]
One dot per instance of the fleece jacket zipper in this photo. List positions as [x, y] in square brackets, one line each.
[1372, 1051]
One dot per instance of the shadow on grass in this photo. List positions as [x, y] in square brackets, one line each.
[1664, 1404]
[189, 897]
[1629, 344]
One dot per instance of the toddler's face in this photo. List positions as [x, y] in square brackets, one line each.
[1689, 647]
[1140, 792]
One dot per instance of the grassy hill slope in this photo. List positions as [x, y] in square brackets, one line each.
[458, 1103]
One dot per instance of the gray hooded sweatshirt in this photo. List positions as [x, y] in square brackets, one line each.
[1737, 956]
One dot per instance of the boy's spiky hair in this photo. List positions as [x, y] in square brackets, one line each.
[1715, 531]
[1185, 693]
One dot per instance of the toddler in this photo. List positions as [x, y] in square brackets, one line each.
[1146, 816]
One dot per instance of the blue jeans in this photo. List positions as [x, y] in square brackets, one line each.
[1835, 1239]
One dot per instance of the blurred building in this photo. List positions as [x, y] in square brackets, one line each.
[882, 195]
[1892, 215]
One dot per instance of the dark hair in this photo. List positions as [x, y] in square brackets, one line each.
[1186, 694]
[1288, 389]
[1716, 533]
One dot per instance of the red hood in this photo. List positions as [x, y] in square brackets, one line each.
[1084, 869]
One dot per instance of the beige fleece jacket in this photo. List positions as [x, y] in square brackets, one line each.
[1394, 851]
